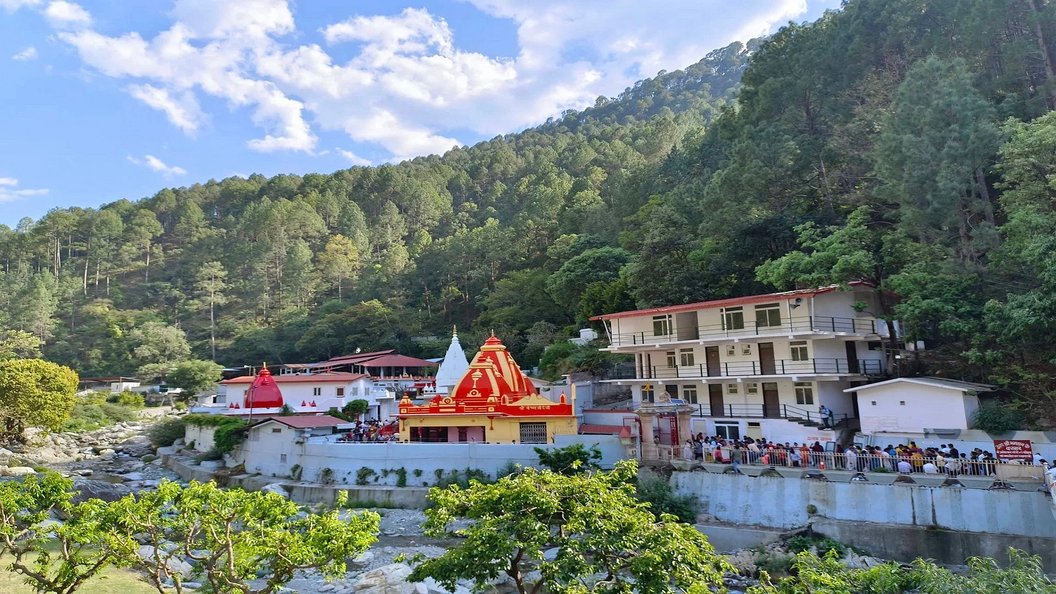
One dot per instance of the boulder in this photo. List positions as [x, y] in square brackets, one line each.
[132, 476]
[99, 490]
[275, 488]
[387, 579]
[18, 471]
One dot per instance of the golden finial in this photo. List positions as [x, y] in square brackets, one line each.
[454, 330]
[265, 365]
[493, 333]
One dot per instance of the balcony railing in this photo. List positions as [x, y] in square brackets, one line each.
[803, 416]
[814, 366]
[792, 325]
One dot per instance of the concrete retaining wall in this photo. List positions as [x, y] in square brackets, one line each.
[276, 458]
[782, 503]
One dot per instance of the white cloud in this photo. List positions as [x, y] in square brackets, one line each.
[13, 5]
[30, 53]
[9, 194]
[407, 85]
[181, 109]
[67, 15]
[353, 158]
[155, 164]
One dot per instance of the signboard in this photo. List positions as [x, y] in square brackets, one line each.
[1013, 449]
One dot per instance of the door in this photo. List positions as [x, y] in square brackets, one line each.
[715, 400]
[852, 357]
[711, 355]
[672, 391]
[771, 401]
[766, 359]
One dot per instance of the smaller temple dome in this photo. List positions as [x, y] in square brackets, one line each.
[264, 393]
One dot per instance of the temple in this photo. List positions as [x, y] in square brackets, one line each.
[493, 402]
[264, 392]
[453, 367]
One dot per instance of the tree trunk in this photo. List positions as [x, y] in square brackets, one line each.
[984, 192]
[146, 272]
[1046, 57]
[825, 189]
[212, 328]
[84, 286]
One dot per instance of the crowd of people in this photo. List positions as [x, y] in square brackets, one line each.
[903, 458]
[373, 430]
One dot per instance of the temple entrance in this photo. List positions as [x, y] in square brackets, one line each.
[429, 434]
[668, 429]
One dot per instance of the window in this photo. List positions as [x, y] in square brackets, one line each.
[686, 357]
[799, 350]
[751, 388]
[804, 393]
[648, 395]
[731, 350]
[746, 349]
[733, 318]
[768, 315]
[731, 388]
[355, 390]
[671, 362]
[340, 392]
[728, 430]
[661, 325]
[533, 432]
[276, 430]
[282, 458]
[690, 394]
[317, 391]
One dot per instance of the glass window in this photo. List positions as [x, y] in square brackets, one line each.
[751, 388]
[671, 359]
[728, 430]
[804, 393]
[661, 325]
[282, 458]
[746, 349]
[340, 392]
[733, 318]
[686, 356]
[799, 350]
[317, 391]
[690, 394]
[355, 390]
[731, 350]
[768, 315]
[731, 388]
[648, 394]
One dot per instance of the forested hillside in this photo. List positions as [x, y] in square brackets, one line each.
[911, 144]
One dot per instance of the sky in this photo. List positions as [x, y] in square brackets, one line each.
[109, 99]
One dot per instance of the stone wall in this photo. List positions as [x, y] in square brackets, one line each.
[777, 502]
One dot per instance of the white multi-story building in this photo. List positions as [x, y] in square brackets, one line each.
[756, 366]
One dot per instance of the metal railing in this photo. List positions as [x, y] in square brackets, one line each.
[936, 465]
[773, 411]
[809, 366]
[794, 325]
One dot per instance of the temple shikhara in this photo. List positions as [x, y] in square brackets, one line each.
[493, 402]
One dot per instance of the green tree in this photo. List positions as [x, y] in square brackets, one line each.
[211, 282]
[157, 342]
[234, 537]
[35, 393]
[572, 459]
[195, 376]
[568, 284]
[15, 344]
[339, 262]
[606, 540]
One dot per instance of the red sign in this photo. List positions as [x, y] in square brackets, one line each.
[1013, 449]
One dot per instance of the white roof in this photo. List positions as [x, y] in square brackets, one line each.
[928, 381]
[454, 366]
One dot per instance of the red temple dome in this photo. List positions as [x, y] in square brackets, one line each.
[264, 393]
[493, 373]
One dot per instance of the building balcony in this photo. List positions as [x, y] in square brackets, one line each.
[745, 369]
[796, 414]
[790, 327]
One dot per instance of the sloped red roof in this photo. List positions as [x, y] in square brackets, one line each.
[733, 301]
[318, 378]
[397, 360]
[356, 358]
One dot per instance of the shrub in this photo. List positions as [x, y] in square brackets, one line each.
[118, 413]
[997, 419]
[165, 433]
[401, 477]
[363, 474]
[571, 459]
[326, 476]
[89, 417]
[417, 472]
[662, 500]
[295, 472]
[95, 398]
[773, 562]
[130, 400]
[827, 544]
[510, 467]
[799, 543]
[211, 455]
